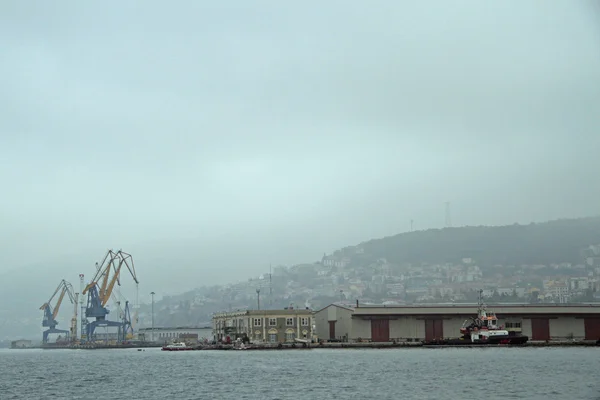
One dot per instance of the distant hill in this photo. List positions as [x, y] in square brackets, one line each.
[554, 242]
[566, 240]
[557, 241]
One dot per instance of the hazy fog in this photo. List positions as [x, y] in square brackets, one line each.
[203, 136]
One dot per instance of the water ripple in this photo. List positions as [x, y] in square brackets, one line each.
[319, 374]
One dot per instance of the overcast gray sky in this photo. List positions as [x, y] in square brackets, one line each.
[201, 135]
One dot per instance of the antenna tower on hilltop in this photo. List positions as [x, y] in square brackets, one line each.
[448, 220]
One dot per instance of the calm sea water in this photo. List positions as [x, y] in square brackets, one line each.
[486, 373]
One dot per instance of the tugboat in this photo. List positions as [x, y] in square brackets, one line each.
[484, 329]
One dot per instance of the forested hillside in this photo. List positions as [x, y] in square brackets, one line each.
[544, 243]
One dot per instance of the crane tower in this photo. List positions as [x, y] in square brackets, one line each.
[99, 291]
[82, 308]
[50, 312]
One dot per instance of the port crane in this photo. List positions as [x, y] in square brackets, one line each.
[100, 289]
[50, 313]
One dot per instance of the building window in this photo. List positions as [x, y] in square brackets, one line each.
[272, 321]
[289, 321]
[272, 337]
[257, 322]
[305, 321]
[289, 336]
[240, 323]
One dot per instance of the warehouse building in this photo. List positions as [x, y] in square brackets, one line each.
[540, 322]
[272, 326]
[21, 344]
[176, 333]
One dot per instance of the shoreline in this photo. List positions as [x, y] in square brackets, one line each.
[330, 346]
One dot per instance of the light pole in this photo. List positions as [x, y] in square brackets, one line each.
[152, 294]
[258, 297]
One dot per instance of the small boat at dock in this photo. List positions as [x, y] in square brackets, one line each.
[179, 346]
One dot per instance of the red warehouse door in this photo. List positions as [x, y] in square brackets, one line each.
[540, 329]
[592, 328]
[331, 329]
[380, 330]
[434, 329]
[438, 328]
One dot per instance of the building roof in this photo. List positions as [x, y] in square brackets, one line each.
[564, 309]
[172, 328]
[289, 311]
[337, 305]
[280, 312]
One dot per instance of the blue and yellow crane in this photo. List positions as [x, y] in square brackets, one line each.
[99, 291]
[50, 313]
